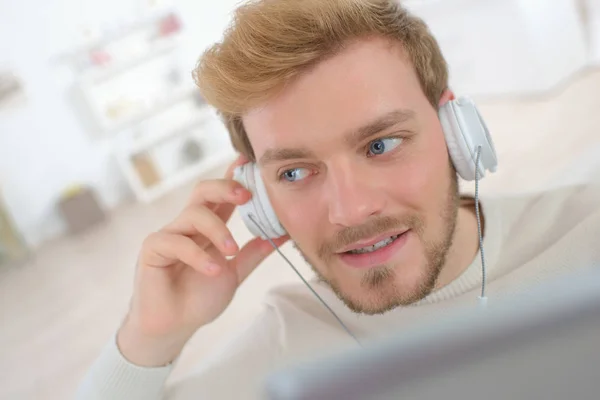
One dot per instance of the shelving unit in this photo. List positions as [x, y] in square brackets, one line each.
[147, 159]
[141, 98]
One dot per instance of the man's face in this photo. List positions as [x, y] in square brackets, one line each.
[353, 155]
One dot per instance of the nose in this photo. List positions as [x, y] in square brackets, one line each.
[353, 196]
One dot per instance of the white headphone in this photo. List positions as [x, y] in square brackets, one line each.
[463, 128]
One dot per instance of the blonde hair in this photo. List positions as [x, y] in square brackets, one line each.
[270, 42]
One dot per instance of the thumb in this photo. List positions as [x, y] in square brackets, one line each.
[252, 254]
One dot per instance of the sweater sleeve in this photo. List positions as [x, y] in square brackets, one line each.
[233, 369]
[112, 377]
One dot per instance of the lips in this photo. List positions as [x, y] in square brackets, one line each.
[370, 242]
[378, 257]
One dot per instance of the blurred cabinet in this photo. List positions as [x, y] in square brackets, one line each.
[506, 47]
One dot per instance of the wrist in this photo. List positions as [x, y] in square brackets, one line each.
[148, 351]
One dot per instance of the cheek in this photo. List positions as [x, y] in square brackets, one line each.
[298, 214]
[426, 177]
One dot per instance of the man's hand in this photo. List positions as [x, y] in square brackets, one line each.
[184, 280]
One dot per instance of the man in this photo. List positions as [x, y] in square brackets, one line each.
[337, 101]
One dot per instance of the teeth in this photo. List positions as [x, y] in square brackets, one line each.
[376, 246]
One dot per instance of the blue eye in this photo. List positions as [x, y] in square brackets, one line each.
[295, 174]
[381, 146]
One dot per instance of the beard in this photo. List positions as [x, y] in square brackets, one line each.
[379, 282]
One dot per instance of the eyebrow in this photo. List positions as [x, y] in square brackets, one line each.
[276, 155]
[380, 124]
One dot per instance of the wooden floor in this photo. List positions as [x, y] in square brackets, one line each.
[58, 309]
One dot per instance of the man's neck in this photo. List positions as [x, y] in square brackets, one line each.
[465, 246]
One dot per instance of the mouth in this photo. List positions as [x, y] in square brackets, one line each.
[374, 252]
[372, 244]
[379, 245]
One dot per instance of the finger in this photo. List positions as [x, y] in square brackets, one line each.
[218, 191]
[200, 221]
[241, 160]
[252, 254]
[165, 249]
[224, 211]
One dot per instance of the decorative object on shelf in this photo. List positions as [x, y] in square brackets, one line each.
[121, 108]
[191, 152]
[11, 90]
[175, 77]
[99, 58]
[80, 209]
[146, 169]
[169, 25]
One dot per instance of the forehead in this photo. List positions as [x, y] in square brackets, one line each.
[366, 80]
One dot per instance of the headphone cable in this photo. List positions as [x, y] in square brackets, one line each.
[482, 298]
[304, 280]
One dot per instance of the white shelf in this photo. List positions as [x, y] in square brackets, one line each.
[163, 47]
[136, 118]
[117, 70]
[151, 20]
[186, 175]
[134, 146]
[163, 149]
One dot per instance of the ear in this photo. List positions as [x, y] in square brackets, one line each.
[447, 96]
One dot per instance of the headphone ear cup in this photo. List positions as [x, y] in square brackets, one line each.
[263, 204]
[465, 132]
[457, 148]
[258, 209]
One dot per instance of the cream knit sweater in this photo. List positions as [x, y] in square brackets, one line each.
[527, 239]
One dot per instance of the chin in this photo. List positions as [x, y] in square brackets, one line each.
[384, 288]
[381, 289]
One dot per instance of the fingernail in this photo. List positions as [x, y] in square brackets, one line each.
[230, 244]
[239, 191]
[213, 268]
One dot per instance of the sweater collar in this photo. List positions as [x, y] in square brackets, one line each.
[471, 278]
